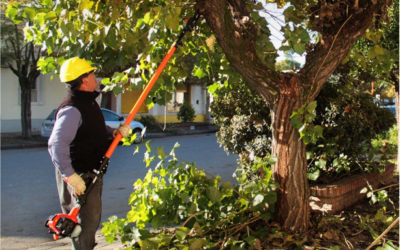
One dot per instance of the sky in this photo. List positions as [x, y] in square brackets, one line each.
[276, 20]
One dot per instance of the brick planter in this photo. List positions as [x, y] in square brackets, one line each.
[344, 193]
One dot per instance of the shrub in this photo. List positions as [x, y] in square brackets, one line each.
[349, 117]
[350, 120]
[186, 113]
[244, 122]
[386, 142]
[150, 123]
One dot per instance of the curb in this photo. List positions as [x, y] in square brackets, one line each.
[148, 136]
[22, 146]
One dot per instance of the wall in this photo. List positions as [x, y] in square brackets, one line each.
[335, 197]
[197, 97]
[51, 94]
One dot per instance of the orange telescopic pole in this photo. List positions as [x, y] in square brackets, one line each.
[189, 27]
[51, 223]
[140, 101]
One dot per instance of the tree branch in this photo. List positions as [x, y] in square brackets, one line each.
[18, 49]
[16, 72]
[236, 35]
[338, 40]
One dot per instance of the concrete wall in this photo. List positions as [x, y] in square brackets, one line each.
[51, 92]
[198, 99]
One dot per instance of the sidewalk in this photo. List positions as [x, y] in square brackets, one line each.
[15, 140]
[65, 244]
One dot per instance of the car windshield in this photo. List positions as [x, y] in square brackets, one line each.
[51, 116]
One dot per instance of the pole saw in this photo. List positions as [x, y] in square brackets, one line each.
[66, 225]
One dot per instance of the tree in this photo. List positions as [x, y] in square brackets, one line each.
[374, 59]
[289, 63]
[22, 59]
[233, 42]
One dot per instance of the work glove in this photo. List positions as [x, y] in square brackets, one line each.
[123, 129]
[77, 183]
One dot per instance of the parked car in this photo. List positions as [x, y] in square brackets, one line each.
[112, 119]
[392, 108]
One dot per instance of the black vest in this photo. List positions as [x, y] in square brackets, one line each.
[91, 140]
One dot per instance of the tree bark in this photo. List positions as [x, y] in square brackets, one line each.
[26, 115]
[397, 99]
[394, 77]
[292, 207]
[283, 94]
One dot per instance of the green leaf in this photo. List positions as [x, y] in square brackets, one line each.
[292, 15]
[379, 50]
[197, 244]
[11, 12]
[50, 16]
[215, 194]
[150, 243]
[105, 81]
[47, 3]
[198, 229]
[213, 88]
[296, 123]
[199, 73]
[29, 13]
[182, 232]
[139, 23]
[258, 199]
[318, 130]
[251, 187]
[172, 22]
[146, 18]
[250, 240]
[39, 19]
[309, 117]
[322, 163]
[388, 246]
[157, 221]
[299, 48]
[148, 146]
[314, 175]
[161, 153]
[306, 139]
[311, 107]
[269, 47]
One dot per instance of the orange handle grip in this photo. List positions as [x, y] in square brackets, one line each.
[74, 212]
[140, 101]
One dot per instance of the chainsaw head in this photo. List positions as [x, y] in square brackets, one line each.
[63, 225]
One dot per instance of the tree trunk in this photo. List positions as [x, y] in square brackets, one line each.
[394, 75]
[26, 110]
[398, 124]
[282, 94]
[292, 207]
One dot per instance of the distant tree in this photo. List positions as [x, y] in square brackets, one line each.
[374, 60]
[287, 65]
[21, 57]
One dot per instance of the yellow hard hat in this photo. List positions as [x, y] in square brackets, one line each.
[73, 68]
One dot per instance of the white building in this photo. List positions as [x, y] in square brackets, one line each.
[48, 94]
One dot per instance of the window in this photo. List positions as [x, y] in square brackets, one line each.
[178, 99]
[108, 116]
[34, 92]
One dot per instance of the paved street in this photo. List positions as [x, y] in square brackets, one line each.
[28, 188]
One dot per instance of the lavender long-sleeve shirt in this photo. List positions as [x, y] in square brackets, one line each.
[68, 121]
